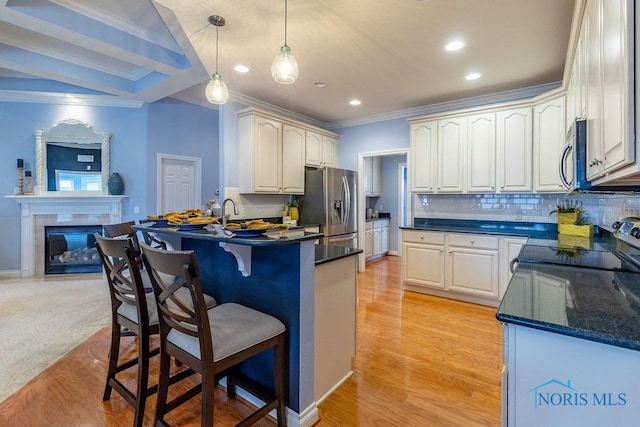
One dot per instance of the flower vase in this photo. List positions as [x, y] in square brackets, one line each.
[115, 184]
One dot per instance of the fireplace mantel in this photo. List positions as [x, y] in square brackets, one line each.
[59, 209]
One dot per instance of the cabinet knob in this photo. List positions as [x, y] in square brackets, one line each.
[473, 242]
[421, 237]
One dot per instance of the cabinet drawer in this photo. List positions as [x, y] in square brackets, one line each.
[379, 223]
[415, 236]
[474, 241]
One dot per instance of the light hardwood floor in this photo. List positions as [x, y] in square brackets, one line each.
[421, 361]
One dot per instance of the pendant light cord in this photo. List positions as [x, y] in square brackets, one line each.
[285, 22]
[217, 28]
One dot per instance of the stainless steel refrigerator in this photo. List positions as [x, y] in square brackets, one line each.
[330, 199]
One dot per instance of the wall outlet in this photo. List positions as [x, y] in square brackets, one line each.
[518, 213]
[136, 209]
[381, 207]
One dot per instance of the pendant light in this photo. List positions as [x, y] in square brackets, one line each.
[216, 91]
[285, 68]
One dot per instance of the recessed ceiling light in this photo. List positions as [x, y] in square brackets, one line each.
[454, 46]
[355, 102]
[320, 84]
[473, 76]
[241, 68]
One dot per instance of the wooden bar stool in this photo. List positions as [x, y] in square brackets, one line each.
[209, 341]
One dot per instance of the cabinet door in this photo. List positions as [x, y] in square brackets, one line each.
[313, 149]
[452, 136]
[368, 175]
[368, 243]
[293, 149]
[548, 141]
[268, 156]
[423, 265]
[481, 153]
[329, 147]
[423, 154]
[377, 241]
[376, 170]
[384, 237]
[617, 84]
[473, 268]
[591, 22]
[514, 139]
[509, 249]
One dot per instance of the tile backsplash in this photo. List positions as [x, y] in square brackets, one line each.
[602, 209]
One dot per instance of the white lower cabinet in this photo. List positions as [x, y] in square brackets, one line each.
[422, 259]
[470, 267]
[472, 264]
[376, 238]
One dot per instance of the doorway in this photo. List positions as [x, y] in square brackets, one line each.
[179, 183]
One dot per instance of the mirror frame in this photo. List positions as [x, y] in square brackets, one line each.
[71, 131]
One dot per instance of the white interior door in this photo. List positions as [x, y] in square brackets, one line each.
[179, 183]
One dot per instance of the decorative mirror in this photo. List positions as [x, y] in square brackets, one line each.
[72, 157]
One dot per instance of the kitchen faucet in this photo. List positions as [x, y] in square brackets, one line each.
[225, 217]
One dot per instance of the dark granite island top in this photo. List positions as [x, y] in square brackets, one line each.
[596, 305]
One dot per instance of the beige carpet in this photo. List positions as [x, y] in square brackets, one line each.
[41, 319]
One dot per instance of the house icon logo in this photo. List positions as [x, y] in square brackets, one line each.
[555, 393]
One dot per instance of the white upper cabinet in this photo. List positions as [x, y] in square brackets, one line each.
[481, 153]
[617, 83]
[548, 141]
[313, 149]
[273, 152]
[293, 149]
[265, 175]
[607, 33]
[452, 137]
[372, 175]
[423, 156]
[329, 149]
[515, 149]
[320, 150]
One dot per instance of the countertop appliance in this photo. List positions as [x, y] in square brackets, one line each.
[330, 200]
[573, 164]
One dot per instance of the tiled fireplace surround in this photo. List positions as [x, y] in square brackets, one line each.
[54, 209]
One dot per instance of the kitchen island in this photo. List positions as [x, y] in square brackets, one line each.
[278, 276]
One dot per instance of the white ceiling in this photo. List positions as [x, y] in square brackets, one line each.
[389, 54]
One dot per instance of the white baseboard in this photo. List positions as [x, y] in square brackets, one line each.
[306, 418]
[5, 274]
[338, 384]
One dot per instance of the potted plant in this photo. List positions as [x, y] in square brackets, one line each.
[572, 219]
[568, 211]
[293, 206]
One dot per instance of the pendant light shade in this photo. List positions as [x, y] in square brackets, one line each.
[284, 68]
[216, 90]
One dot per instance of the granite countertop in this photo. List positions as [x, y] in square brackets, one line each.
[586, 303]
[511, 228]
[285, 237]
[323, 253]
[326, 253]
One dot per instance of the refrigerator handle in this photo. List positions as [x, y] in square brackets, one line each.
[346, 200]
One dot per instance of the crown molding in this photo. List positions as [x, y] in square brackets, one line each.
[68, 99]
[476, 101]
[256, 103]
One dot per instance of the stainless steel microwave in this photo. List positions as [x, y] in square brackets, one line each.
[573, 164]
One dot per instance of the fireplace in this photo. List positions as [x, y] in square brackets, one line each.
[71, 249]
[59, 209]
